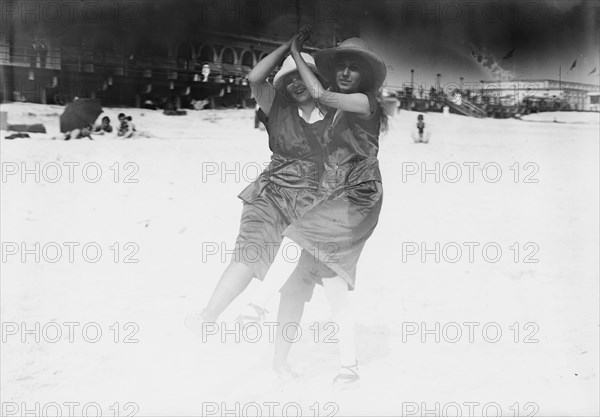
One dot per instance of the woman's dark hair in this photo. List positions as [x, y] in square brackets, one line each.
[106, 118]
[366, 85]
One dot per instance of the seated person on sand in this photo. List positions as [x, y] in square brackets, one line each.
[199, 104]
[171, 110]
[84, 132]
[104, 126]
[127, 128]
[149, 104]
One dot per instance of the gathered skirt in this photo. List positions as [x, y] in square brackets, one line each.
[335, 230]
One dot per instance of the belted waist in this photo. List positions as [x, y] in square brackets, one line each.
[294, 173]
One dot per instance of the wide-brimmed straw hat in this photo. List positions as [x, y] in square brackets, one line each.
[325, 60]
[289, 66]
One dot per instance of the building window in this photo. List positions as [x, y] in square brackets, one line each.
[228, 57]
[248, 59]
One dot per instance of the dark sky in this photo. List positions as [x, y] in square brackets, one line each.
[470, 38]
[455, 38]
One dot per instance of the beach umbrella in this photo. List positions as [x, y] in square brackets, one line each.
[81, 112]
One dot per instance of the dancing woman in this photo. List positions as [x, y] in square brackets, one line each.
[288, 186]
[334, 232]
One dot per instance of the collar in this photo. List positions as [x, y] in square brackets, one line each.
[315, 116]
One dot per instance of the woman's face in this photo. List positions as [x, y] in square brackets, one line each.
[348, 74]
[296, 88]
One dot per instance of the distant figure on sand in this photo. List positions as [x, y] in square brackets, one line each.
[171, 109]
[104, 126]
[420, 125]
[84, 132]
[421, 135]
[127, 127]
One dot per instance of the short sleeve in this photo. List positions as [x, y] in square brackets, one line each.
[373, 104]
[373, 108]
[278, 102]
[262, 116]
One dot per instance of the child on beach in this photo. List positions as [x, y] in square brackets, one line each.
[126, 127]
[104, 126]
[421, 136]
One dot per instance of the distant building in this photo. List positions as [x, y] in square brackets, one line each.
[593, 101]
[578, 96]
[128, 53]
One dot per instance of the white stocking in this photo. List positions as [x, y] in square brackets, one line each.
[336, 290]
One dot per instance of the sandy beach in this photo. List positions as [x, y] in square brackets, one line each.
[478, 290]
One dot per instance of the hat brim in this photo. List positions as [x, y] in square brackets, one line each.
[278, 79]
[325, 61]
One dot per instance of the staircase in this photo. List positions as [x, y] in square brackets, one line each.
[466, 108]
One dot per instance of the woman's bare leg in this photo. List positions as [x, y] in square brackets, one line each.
[291, 308]
[233, 282]
[282, 267]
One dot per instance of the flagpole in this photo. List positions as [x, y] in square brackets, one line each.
[559, 81]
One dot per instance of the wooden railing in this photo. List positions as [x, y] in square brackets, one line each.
[23, 56]
[109, 62]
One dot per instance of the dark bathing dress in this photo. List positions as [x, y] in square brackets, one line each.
[286, 189]
[333, 232]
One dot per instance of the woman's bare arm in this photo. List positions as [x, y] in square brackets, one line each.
[263, 92]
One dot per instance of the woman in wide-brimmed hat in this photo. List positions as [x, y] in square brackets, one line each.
[285, 189]
[334, 232]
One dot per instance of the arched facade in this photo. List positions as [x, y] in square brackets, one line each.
[228, 56]
[248, 58]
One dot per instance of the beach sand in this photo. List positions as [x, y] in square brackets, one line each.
[167, 199]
